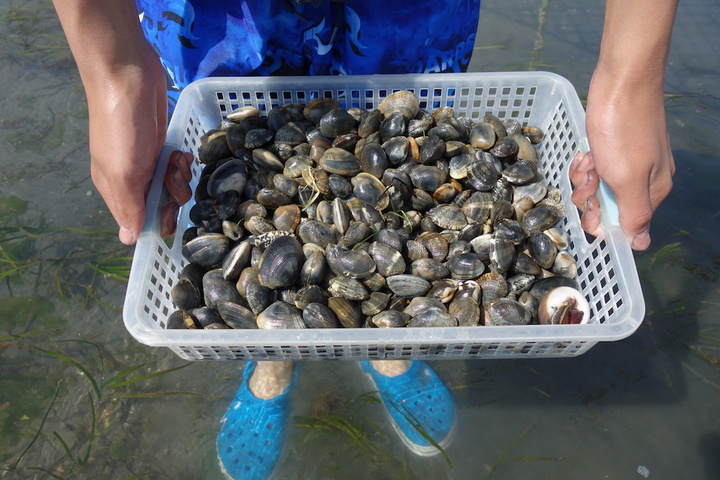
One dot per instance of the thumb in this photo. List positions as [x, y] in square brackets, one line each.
[129, 213]
[635, 212]
[125, 197]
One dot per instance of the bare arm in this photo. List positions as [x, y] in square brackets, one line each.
[127, 104]
[626, 127]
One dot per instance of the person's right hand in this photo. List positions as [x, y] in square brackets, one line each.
[128, 119]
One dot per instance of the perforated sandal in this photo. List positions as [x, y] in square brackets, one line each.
[252, 436]
[419, 405]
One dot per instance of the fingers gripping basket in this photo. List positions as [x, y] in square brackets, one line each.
[607, 274]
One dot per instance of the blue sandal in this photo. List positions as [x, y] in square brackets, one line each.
[251, 440]
[419, 405]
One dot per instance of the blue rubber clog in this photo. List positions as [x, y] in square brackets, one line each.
[418, 402]
[252, 436]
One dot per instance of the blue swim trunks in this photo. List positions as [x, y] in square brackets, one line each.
[203, 38]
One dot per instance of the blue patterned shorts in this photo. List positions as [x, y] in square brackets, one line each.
[202, 38]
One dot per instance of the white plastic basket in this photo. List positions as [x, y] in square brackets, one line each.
[606, 268]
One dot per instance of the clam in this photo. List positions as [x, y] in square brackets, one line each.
[355, 263]
[347, 311]
[405, 285]
[370, 123]
[315, 110]
[389, 261]
[375, 304]
[317, 315]
[236, 260]
[280, 315]
[390, 319]
[339, 161]
[370, 189]
[243, 112]
[396, 149]
[206, 317]
[448, 216]
[207, 250]
[313, 231]
[482, 136]
[540, 218]
[542, 249]
[187, 292]
[349, 288]
[216, 289]
[373, 159]
[336, 122]
[402, 101]
[465, 266]
[432, 318]
[443, 289]
[506, 311]
[310, 294]
[563, 305]
[231, 175]
[281, 262]
[213, 147]
[258, 297]
[427, 177]
[393, 125]
[466, 311]
[314, 268]
[180, 319]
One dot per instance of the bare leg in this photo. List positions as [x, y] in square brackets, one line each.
[270, 379]
[391, 368]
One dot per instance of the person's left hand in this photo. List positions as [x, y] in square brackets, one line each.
[630, 152]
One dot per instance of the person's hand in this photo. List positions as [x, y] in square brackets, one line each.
[630, 152]
[128, 120]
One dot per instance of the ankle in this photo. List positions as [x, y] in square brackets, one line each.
[390, 368]
[270, 379]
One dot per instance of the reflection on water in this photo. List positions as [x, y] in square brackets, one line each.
[80, 399]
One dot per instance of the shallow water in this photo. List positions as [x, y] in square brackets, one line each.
[644, 407]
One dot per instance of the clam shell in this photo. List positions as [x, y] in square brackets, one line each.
[281, 262]
[347, 312]
[280, 315]
[207, 250]
[317, 315]
[466, 311]
[406, 285]
[390, 319]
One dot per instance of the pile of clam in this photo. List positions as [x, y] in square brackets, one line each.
[315, 217]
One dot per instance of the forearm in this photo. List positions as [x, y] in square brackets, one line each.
[105, 38]
[635, 44]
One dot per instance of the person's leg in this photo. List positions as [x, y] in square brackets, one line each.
[252, 436]
[419, 404]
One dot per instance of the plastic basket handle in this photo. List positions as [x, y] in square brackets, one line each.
[157, 195]
[608, 205]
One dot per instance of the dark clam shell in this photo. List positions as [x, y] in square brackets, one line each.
[315, 110]
[405, 285]
[281, 262]
[506, 311]
[217, 289]
[231, 175]
[236, 315]
[317, 315]
[391, 319]
[465, 266]
[281, 315]
[339, 161]
[207, 250]
[336, 122]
